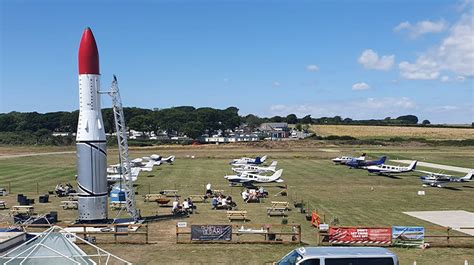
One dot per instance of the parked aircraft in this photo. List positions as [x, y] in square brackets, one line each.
[158, 160]
[117, 177]
[135, 163]
[388, 169]
[248, 161]
[341, 160]
[354, 163]
[255, 169]
[249, 178]
[441, 180]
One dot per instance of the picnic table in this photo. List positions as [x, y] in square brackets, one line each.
[69, 205]
[198, 198]
[237, 215]
[278, 208]
[23, 209]
[170, 193]
[117, 205]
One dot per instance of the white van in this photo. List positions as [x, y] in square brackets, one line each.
[339, 256]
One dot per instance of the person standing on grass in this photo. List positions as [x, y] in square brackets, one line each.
[186, 205]
[175, 206]
[208, 189]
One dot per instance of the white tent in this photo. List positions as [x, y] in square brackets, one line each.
[54, 246]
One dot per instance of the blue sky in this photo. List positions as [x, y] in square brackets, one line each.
[358, 59]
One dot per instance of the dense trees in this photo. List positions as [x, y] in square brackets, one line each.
[183, 120]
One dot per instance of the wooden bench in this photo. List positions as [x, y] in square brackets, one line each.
[218, 191]
[277, 211]
[278, 204]
[198, 198]
[3, 204]
[154, 197]
[69, 205]
[170, 193]
[23, 209]
[117, 205]
[237, 215]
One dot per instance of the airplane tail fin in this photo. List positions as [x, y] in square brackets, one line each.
[412, 165]
[382, 160]
[169, 159]
[273, 165]
[277, 174]
[469, 176]
[263, 158]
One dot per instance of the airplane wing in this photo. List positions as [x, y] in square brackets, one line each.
[433, 173]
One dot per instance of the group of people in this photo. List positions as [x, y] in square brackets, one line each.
[254, 195]
[187, 207]
[64, 190]
[219, 201]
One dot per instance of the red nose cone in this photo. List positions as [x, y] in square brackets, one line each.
[88, 54]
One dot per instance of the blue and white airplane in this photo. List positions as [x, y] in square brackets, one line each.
[248, 161]
[248, 178]
[441, 180]
[354, 163]
[342, 160]
[255, 169]
[388, 169]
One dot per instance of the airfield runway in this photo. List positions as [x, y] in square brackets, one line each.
[36, 154]
[454, 219]
[437, 166]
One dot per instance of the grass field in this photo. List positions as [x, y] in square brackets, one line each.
[353, 196]
[385, 132]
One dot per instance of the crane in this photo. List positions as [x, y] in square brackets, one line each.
[124, 160]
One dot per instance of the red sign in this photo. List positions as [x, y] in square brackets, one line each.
[360, 235]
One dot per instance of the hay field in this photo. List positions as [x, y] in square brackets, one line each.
[353, 196]
[385, 132]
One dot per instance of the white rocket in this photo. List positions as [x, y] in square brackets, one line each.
[90, 141]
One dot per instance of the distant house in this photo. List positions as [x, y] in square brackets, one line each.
[275, 130]
[232, 139]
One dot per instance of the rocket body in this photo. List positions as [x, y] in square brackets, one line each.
[90, 140]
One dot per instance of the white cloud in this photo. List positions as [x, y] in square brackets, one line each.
[454, 54]
[422, 27]
[312, 68]
[360, 86]
[371, 60]
[276, 84]
[444, 78]
[423, 69]
[460, 78]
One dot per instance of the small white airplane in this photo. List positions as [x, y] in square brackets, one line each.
[248, 161]
[441, 180]
[138, 163]
[388, 169]
[158, 160]
[342, 160]
[249, 178]
[117, 177]
[255, 169]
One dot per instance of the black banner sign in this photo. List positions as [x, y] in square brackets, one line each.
[211, 232]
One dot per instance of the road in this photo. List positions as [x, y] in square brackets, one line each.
[437, 166]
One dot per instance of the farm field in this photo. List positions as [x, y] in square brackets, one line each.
[386, 132]
[351, 196]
